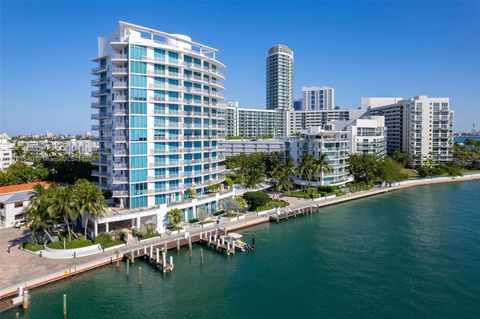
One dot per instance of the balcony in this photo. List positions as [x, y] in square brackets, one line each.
[120, 85]
[97, 116]
[101, 127]
[98, 93]
[157, 99]
[120, 152]
[120, 99]
[119, 59]
[120, 139]
[120, 126]
[99, 69]
[120, 166]
[97, 82]
[120, 194]
[97, 105]
[119, 71]
[120, 180]
[120, 112]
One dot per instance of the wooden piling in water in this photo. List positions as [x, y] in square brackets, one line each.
[128, 267]
[26, 300]
[64, 306]
[140, 275]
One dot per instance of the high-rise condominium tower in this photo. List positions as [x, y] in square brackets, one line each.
[279, 77]
[159, 119]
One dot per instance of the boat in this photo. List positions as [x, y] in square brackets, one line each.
[235, 240]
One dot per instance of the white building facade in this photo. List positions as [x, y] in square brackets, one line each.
[6, 152]
[316, 98]
[367, 135]
[255, 123]
[247, 146]
[422, 127]
[301, 120]
[160, 121]
[316, 141]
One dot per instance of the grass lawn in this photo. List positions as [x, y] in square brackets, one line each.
[149, 235]
[410, 172]
[105, 241]
[32, 247]
[70, 245]
[271, 205]
[206, 222]
[174, 228]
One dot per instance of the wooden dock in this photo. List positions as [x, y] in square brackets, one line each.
[292, 213]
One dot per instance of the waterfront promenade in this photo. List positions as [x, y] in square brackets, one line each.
[23, 269]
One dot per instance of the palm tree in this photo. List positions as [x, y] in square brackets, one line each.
[322, 166]
[19, 152]
[36, 215]
[175, 216]
[64, 204]
[89, 200]
[307, 167]
[284, 183]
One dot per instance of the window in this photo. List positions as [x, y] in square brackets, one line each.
[18, 204]
[137, 51]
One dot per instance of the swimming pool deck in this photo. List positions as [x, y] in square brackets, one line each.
[22, 269]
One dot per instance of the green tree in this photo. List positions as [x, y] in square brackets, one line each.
[174, 216]
[36, 215]
[307, 167]
[256, 199]
[64, 204]
[363, 167]
[242, 203]
[228, 182]
[191, 193]
[214, 188]
[400, 157]
[321, 166]
[390, 171]
[89, 200]
[18, 152]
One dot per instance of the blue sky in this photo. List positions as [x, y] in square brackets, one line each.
[366, 48]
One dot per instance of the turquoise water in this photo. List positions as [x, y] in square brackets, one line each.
[409, 254]
[461, 139]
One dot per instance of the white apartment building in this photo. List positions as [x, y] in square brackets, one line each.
[316, 141]
[367, 134]
[301, 120]
[255, 123]
[84, 147]
[316, 98]
[159, 122]
[6, 156]
[422, 127]
[14, 201]
[247, 146]
[279, 77]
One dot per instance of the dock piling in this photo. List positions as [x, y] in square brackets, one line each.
[171, 263]
[26, 299]
[190, 246]
[64, 306]
[128, 267]
[201, 257]
[178, 244]
[164, 262]
[140, 275]
[158, 256]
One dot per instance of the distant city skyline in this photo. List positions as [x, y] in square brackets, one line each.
[356, 48]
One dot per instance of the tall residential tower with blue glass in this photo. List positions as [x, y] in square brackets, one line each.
[159, 121]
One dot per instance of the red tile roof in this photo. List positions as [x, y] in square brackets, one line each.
[21, 187]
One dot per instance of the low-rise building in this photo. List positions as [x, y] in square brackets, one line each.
[246, 146]
[316, 141]
[14, 201]
[367, 134]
